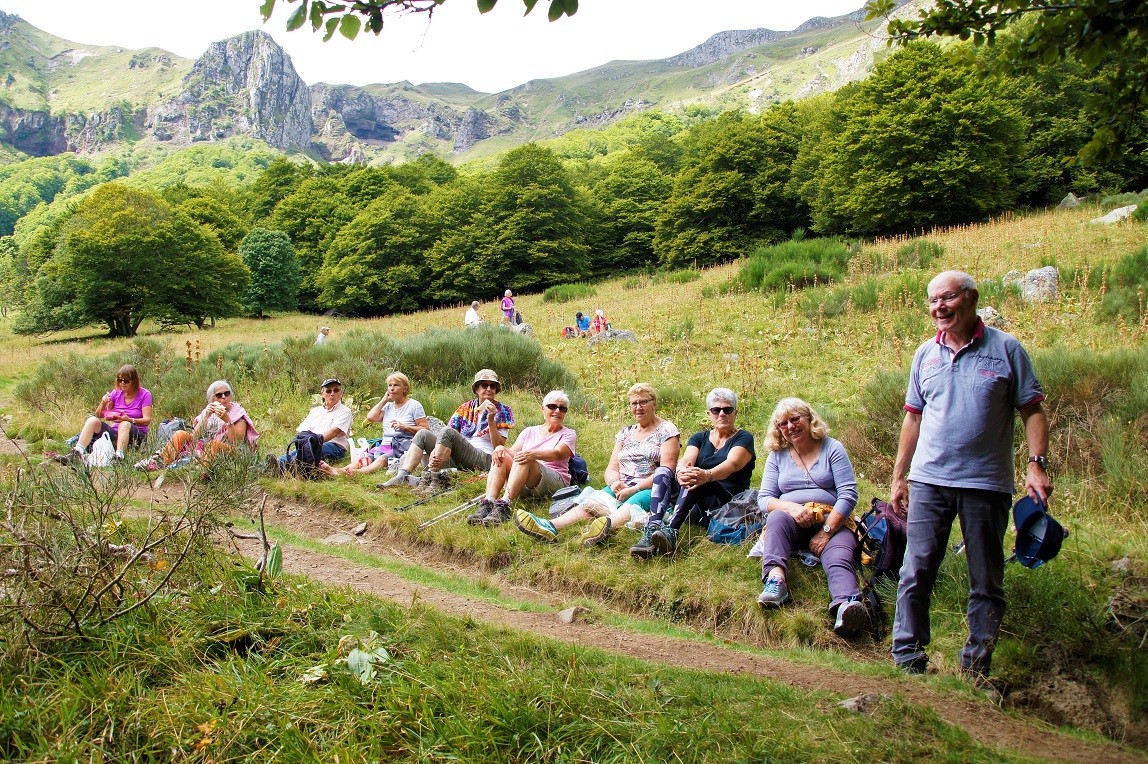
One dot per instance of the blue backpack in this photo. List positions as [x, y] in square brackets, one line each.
[579, 470]
[881, 540]
[737, 521]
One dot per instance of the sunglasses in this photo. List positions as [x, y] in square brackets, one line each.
[557, 407]
[333, 390]
[223, 394]
[122, 381]
[715, 410]
[487, 385]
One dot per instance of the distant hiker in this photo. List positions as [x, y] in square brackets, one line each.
[538, 463]
[809, 490]
[640, 475]
[331, 420]
[222, 425]
[955, 459]
[402, 418]
[508, 307]
[473, 432]
[323, 332]
[472, 318]
[124, 413]
[716, 466]
[599, 324]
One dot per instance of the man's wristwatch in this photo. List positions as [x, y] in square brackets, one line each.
[1039, 460]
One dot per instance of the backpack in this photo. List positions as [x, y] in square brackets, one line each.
[308, 449]
[579, 470]
[881, 539]
[737, 521]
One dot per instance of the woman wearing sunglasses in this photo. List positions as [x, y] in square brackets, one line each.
[221, 425]
[538, 463]
[124, 412]
[716, 465]
[809, 491]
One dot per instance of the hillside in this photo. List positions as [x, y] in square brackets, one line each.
[65, 96]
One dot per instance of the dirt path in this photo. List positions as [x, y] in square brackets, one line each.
[983, 720]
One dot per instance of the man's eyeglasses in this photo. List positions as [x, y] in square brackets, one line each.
[223, 394]
[487, 386]
[946, 298]
[333, 390]
[643, 402]
[557, 407]
[715, 410]
[793, 421]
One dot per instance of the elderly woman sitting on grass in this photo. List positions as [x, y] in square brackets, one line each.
[716, 466]
[538, 463]
[640, 475]
[809, 491]
[222, 425]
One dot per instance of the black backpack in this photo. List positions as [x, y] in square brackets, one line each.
[579, 470]
[308, 449]
[881, 539]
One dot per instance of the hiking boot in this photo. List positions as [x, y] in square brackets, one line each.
[440, 481]
[499, 515]
[774, 594]
[73, 458]
[916, 666]
[644, 549]
[485, 507]
[851, 618]
[664, 540]
[274, 466]
[425, 486]
[535, 527]
[596, 532]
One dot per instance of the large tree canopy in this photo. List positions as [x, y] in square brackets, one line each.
[344, 15]
[1094, 32]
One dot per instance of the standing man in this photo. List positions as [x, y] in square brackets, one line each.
[955, 459]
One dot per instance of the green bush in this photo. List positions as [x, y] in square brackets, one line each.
[919, 253]
[683, 276]
[799, 263]
[568, 292]
[1122, 200]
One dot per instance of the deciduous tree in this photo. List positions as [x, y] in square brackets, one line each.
[274, 272]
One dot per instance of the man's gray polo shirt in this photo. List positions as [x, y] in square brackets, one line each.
[966, 402]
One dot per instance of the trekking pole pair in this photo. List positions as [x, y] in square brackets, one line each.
[460, 508]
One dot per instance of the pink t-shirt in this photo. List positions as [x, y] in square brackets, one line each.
[134, 409]
[538, 437]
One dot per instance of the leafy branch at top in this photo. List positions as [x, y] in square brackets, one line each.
[349, 17]
[1108, 36]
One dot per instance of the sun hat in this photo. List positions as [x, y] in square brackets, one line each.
[485, 375]
[1038, 535]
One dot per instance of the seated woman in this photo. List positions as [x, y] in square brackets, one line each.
[537, 463]
[123, 412]
[717, 465]
[222, 425]
[640, 475]
[402, 417]
[599, 324]
[809, 491]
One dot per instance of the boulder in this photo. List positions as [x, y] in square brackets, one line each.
[1070, 202]
[1118, 214]
[992, 318]
[613, 335]
[1041, 285]
[1012, 278]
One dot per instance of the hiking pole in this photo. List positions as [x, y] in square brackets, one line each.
[425, 499]
[460, 508]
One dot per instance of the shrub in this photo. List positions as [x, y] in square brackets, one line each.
[683, 276]
[919, 253]
[568, 292]
[1122, 200]
[798, 263]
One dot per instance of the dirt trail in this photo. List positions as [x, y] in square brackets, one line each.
[983, 720]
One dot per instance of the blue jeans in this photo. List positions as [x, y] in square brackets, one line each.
[332, 452]
[984, 517]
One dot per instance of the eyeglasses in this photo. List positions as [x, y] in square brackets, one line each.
[487, 385]
[557, 407]
[946, 298]
[643, 402]
[333, 390]
[793, 421]
[715, 410]
[223, 394]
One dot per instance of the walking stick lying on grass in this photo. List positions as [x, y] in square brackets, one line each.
[460, 508]
[443, 492]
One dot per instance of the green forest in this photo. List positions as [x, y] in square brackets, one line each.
[931, 138]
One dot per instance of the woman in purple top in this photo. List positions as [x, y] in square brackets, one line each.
[809, 491]
[124, 413]
[508, 307]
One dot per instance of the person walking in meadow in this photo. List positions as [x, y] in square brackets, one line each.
[477, 428]
[955, 459]
[716, 465]
[124, 413]
[640, 475]
[538, 463]
[508, 307]
[809, 491]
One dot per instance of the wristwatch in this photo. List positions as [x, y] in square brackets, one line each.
[1041, 460]
[826, 529]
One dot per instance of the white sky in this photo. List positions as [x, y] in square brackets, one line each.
[490, 52]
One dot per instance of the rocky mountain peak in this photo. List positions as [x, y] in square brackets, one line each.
[724, 44]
